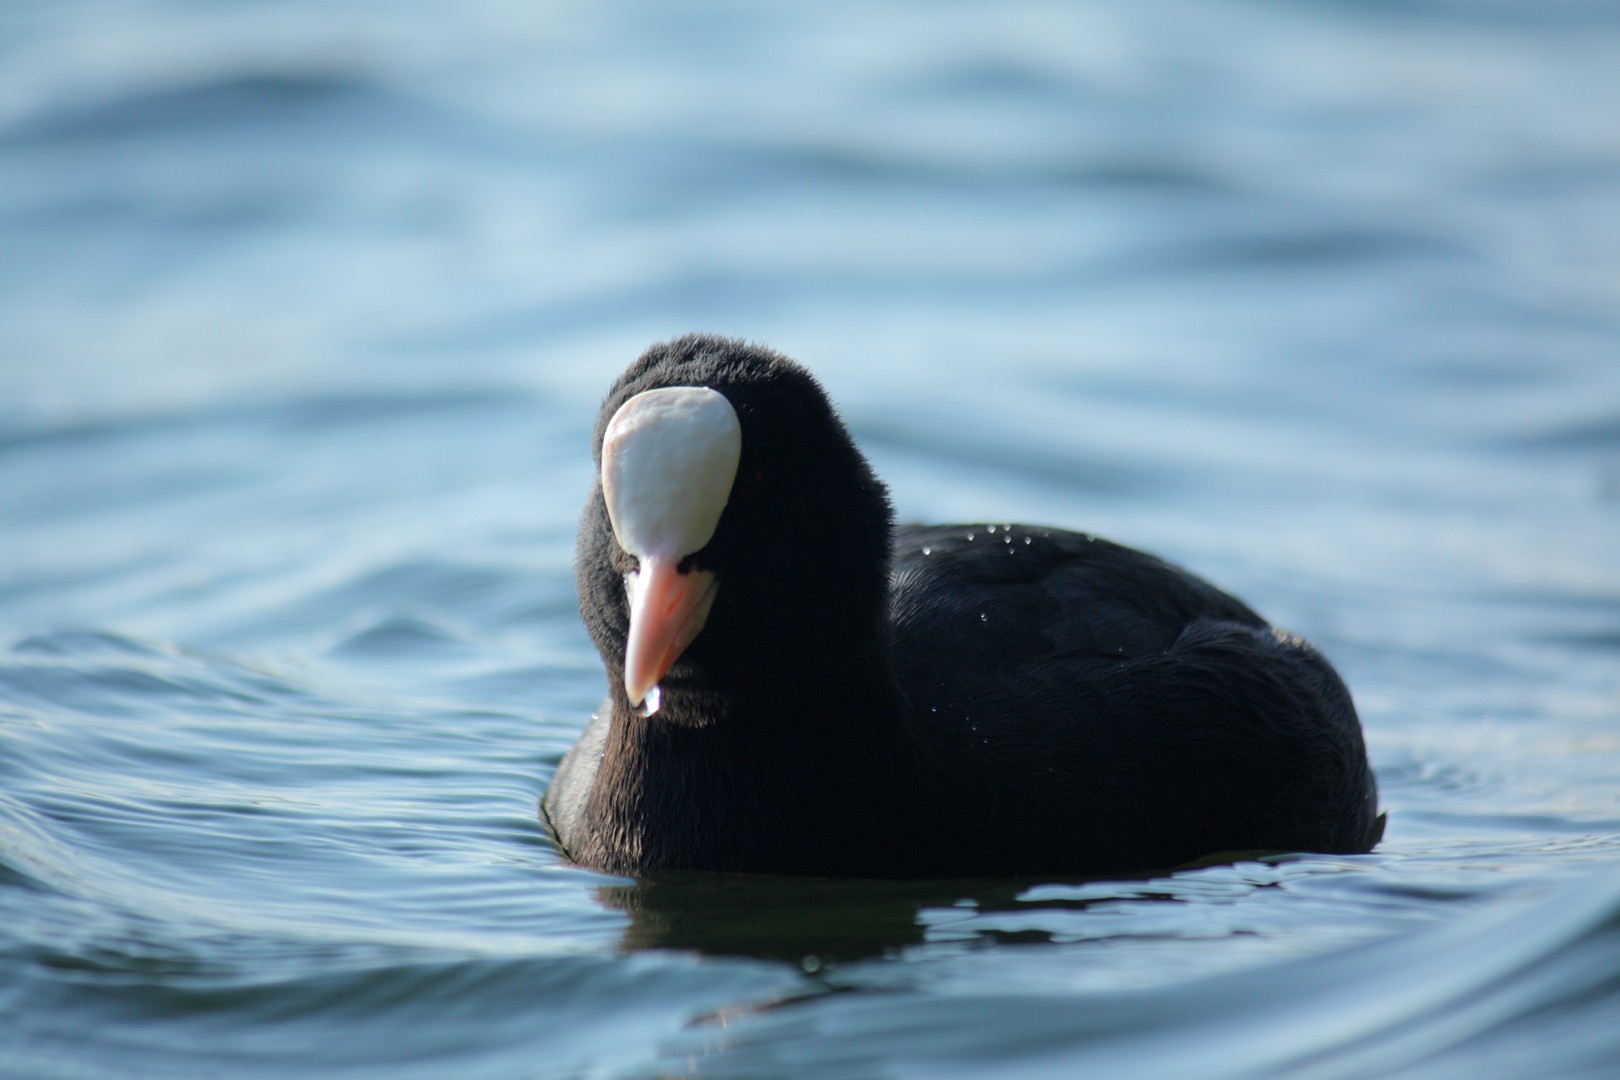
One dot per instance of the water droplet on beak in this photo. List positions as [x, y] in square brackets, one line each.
[650, 703]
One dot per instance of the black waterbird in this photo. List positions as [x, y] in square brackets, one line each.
[798, 686]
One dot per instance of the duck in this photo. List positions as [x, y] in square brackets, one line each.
[796, 685]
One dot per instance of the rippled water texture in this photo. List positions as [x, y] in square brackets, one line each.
[305, 310]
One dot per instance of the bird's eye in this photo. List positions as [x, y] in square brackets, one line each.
[748, 484]
[623, 562]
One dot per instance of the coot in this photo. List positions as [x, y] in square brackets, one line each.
[797, 686]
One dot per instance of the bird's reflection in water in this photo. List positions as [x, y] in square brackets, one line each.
[805, 921]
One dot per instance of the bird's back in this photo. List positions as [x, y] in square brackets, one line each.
[1093, 708]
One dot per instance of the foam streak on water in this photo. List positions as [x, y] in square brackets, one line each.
[305, 315]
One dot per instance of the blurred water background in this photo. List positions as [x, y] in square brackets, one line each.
[305, 310]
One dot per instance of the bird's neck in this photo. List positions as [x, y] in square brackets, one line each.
[757, 778]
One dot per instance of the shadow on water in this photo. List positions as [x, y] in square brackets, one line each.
[812, 921]
[788, 919]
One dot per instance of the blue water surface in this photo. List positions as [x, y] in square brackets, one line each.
[305, 312]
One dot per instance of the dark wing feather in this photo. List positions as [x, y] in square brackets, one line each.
[1079, 674]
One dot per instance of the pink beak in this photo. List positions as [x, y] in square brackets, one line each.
[667, 610]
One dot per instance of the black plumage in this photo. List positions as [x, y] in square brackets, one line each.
[866, 700]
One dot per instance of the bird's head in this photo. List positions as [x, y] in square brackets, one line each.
[733, 525]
